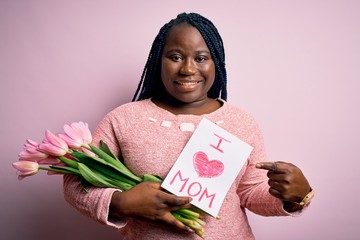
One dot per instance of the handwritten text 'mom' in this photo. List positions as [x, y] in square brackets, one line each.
[192, 189]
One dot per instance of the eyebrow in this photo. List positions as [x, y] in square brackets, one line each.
[180, 50]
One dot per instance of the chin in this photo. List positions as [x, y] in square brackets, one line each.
[189, 100]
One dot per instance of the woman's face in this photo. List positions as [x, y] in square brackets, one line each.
[187, 69]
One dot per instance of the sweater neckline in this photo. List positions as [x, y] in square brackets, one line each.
[170, 114]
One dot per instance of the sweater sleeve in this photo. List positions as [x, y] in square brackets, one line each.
[95, 203]
[253, 187]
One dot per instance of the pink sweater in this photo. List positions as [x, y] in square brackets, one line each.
[136, 131]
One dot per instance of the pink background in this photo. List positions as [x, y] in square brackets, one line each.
[295, 65]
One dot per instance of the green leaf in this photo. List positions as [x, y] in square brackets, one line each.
[106, 149]
[102, 165]
[97, 179]
[109, 171]
[108, 158]
[151, 178]
[69, 162]
[115, 163]
[65, 170]
[91, 177]
[124, 186]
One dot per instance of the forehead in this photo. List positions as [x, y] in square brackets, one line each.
[184, 34]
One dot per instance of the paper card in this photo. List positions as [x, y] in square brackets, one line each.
[207, 166]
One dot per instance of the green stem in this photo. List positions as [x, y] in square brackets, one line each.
[87, 148]
[61, 169]
[198, 229]
[115, 163]
[188, 212]
[69, 162]
[45, 168]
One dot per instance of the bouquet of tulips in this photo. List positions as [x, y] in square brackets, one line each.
[71, 152]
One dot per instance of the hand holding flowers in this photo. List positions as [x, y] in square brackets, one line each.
[72, 153]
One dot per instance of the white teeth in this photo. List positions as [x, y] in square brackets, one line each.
[187, 83]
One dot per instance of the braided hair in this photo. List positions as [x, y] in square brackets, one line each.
[150, 84]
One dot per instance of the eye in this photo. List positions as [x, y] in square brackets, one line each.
[201, 59]
[175, 58]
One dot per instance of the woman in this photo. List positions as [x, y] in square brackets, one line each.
[183, 81]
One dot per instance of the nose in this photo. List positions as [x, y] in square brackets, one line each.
[188, 68]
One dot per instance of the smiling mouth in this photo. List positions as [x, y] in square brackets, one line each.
[192, 83]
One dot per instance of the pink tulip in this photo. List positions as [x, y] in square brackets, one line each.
[26, 168]
[31, 152]
[53, 145]
[74, 142]
[76, 135]
[82, 129]
[30, 143]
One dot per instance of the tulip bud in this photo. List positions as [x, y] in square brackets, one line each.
[76, 135]
[31, 152]
[26, 168]
[53, 145]
[83, 130]
[74, 141]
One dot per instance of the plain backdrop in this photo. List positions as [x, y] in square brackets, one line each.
[295, 65]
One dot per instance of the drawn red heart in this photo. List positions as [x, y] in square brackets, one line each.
[206, 168]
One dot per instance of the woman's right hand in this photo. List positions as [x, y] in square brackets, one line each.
[148, 202]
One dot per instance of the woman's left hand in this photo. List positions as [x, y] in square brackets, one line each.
[286, 181]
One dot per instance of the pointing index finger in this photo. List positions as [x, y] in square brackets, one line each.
[271, 166]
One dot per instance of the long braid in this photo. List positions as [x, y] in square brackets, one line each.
[151, 73]
[150, 84]
[216, 48]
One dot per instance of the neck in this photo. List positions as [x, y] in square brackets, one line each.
[176, 107]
